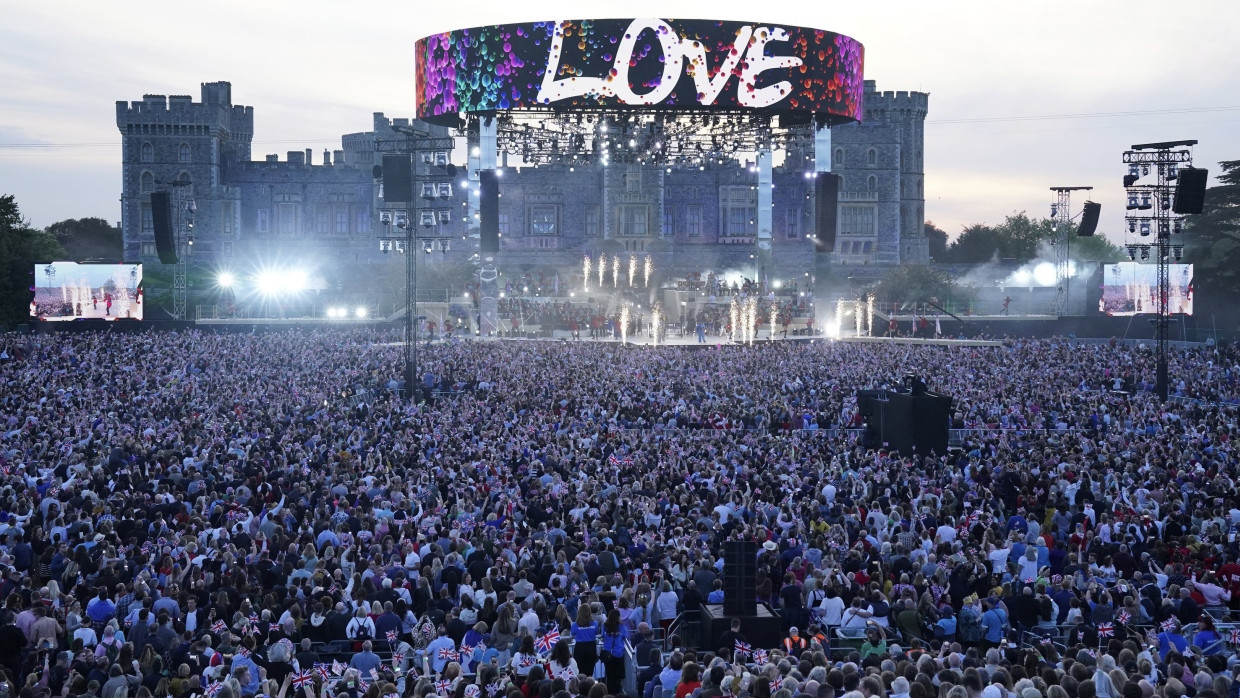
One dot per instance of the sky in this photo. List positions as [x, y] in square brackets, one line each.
[1023, 96]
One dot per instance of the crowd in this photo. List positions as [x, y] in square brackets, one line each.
[233, 515]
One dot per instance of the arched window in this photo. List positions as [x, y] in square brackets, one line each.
[183, 153]
[184, 180]
[871, 183]
[148, 182]
[148, 152]
[871, 157]
[837, 158]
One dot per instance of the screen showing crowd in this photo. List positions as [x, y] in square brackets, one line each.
[72, 291]
[1131, 288]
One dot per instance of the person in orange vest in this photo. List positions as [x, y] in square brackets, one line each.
[794, 644]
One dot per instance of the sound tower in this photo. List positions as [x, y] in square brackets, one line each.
[161, 221]
[488, 211]
[1190, 190]
[397, 179]
[826, 197]
[740, 578]
[1089, 219]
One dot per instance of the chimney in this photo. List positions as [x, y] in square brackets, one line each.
[273, 158]
[338, 157]
[296, 157]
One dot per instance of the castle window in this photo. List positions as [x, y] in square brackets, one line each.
[837, 158]
[592, 221]
[183, 153]
[871, 157]
[634, 220]
[503, 223]
[342, 220]
[148, 182]
[544, 220]
[792, 222]
[871, 183]
[693, 221]
[148, 220]
[148, 152]
[264, 221]
[738, 210]
[149, 249]
[669, 222]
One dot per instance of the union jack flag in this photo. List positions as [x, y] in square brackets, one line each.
[443, 687]
[448, 654]
[1124, 617]
[742, 648]
[397, 657]
[392, 635]
[547, 641]
[337, 667]
[1234, 636]
[362, 685]
[253, 618]
[1168, 625]
[324, 670]
[1106, 630]
[760, 657]
[243, 652]
[495, 689]
[213, 689]
[303, 679]
[219, 626]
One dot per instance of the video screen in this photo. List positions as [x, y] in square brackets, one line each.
[72, 291]
[1130, 288]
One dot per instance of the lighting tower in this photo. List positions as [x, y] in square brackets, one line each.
[1061, 213]
[1151, 211]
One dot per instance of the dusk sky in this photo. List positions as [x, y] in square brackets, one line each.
[1023, 96]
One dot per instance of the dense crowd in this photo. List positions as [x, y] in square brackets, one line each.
[233, 515]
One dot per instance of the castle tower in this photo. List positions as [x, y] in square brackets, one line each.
[906, 111]
[174, 139]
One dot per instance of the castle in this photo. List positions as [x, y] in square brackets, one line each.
[329, 213]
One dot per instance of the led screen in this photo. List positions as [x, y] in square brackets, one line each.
[1129, 288]
[72, 291]
[665, 63]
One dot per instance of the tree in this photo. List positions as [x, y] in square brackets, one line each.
[21, 247]
[88, 238]
[910, 283]
[937, 239]
[1212, 244]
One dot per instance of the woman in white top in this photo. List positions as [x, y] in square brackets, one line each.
[525, 658]
[831, 608]
[360, 626]
[854, 621]
[562, 665]
[1029, 563]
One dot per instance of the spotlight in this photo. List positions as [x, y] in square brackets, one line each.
[360, 312]
[1044, 274]
[225, 279]
[1145, 228]
[1130, 179]
[190, 240]
[1178, 251]
[268, 283]
[1132, 252]
[1132, 226]
[1145, 253]
[427, 248]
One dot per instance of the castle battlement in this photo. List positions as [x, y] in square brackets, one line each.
[215, 110]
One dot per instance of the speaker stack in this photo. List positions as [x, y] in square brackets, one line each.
[740, 578]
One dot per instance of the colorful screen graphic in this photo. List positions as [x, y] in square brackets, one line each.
[676, 64]
[72, 291]
[1130, 288]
